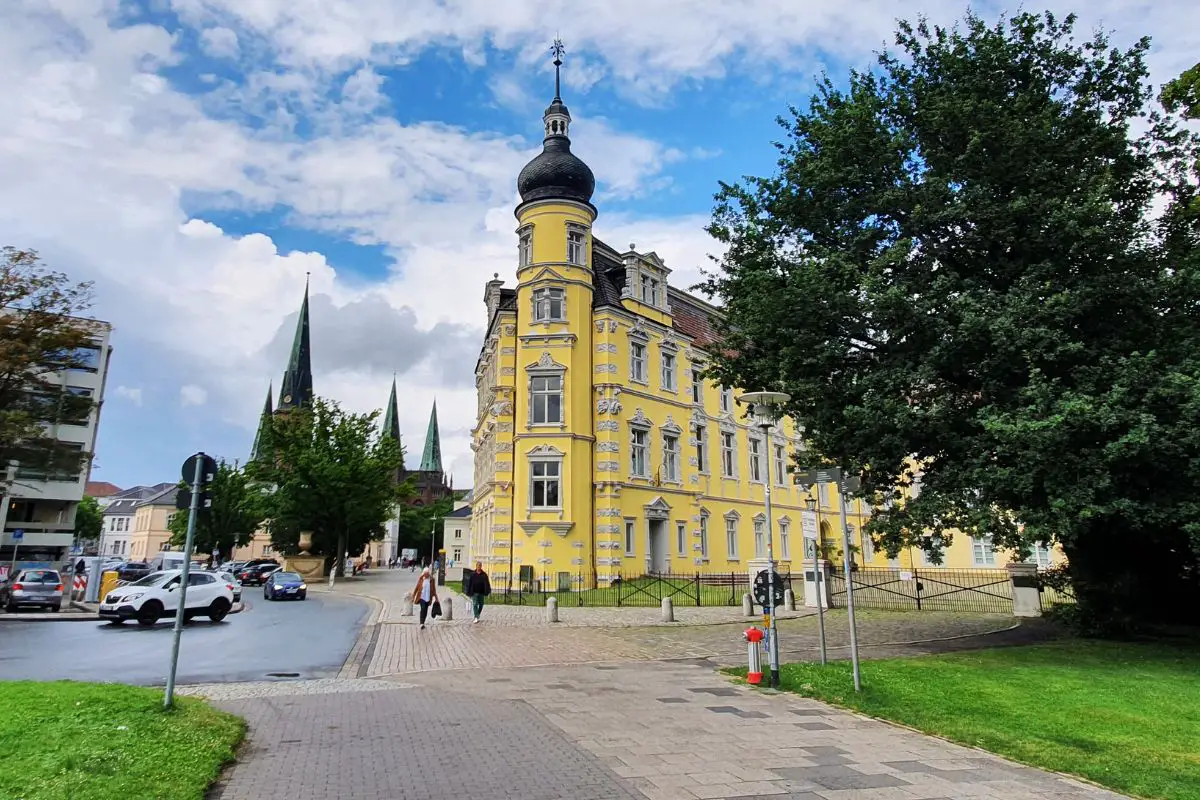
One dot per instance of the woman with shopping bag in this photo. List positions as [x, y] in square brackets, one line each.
[426, 595]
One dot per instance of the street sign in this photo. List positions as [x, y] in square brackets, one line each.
[810, 548]
[762, 590]
[18, 535]
[207, 472]
[808, 524]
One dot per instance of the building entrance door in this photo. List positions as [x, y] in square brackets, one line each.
[659, 559]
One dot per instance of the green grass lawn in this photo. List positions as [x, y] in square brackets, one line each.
[88, 741]
[1123, 715]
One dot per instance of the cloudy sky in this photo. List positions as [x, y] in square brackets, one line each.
[195, 158]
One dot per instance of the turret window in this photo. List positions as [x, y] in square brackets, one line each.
[575, 248]
[548, 305]
[525, 249]
[547, 399]
[650, 288]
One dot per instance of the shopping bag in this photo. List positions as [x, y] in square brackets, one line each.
[436, 610]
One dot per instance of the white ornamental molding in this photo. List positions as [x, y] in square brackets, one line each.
[608, 512]
[640, 419]
[505, 447]
[503, 511]
[577, 561]
[599, 326]
[608, 545]
[503, 466]
[608, 447]
[692, 460]
[508, 351]
[671, 427]
[501, 544]
[508, 371]
[606, 368]
[505, 427]
[638, 330]
[502, 528]
[613, 327]
[606, 347]
[607, 466]
[608, 529]
[545, 561]
[608, 425]
[502, 408]
[669, 343]
[510, 330]
[694, 478]
[544, 543]
[577, 545]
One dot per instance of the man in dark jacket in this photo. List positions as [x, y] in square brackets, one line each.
[478, 587]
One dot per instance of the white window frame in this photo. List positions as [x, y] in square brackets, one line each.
[697, 387]
[639, 443]
[728, 454]
[731, 537]
[670, 445]
[1041, 554]
[868, 547]
[726, 399]
[779, 453]
[546, 480]
[983, 553]
[630, 536]
[704, 535]
[649, 290]
[576, 247]
[543, 304]
[700, 432]
[755, 458]
[760, 536]
[637, 362]
[681, 538]
[785, 546]
[541, 398]
[525, 248]
[667, 371]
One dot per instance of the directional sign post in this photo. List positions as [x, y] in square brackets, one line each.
[18, 536]
[199, 470]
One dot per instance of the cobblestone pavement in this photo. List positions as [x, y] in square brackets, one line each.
[404, 743]
[678, 732]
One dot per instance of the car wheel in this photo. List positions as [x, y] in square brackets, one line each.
[116, 621]
[219, 609]
[302, 595]
[149, 613]
[54, 609]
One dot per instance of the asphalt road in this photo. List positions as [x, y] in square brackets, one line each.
[312, 638]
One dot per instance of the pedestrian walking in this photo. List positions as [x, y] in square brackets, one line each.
[478, 587]
[425, 594]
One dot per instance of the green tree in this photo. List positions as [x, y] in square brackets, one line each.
[89, 520]
[956, 262]
[332, 474]
[41, 333]
[1183, 93]
[236, 511]
[418, 524]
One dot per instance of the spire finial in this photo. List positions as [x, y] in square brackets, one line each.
[559, 51]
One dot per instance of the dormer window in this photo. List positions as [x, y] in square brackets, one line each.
[548, 305]
[525, 249]
[575, 248]
[650, 290]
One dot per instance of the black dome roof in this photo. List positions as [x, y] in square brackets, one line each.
[556, 173]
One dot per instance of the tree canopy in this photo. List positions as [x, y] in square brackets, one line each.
[237, 510]
[958, 268]
[41, 334]
[89, 520]
[329, 472]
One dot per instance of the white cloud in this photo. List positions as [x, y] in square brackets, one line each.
[220, 42]
[132, 394]
[192, 395]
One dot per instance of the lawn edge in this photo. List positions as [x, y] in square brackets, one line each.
[737, 679]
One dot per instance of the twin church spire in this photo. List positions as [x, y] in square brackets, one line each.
[296, 391]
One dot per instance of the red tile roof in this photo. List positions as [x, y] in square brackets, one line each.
[691, 318]
[101, 489]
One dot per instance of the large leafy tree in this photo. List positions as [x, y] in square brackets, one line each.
[237, 509]
[89, 520]
[956, 267]
[41, 334]
[329, 472]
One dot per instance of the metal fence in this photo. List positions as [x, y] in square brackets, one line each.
[980, 590]
[574, 589]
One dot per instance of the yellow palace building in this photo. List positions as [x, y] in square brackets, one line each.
[599, 450]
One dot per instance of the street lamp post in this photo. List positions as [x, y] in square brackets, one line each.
[818, 579]
[765, 408]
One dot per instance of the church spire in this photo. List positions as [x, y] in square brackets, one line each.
[262, 437]
[391, 419]
[431, 459]
[297, 388]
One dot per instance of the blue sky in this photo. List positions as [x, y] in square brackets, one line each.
[196, 158]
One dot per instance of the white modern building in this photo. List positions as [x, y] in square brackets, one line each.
[456, 534]
[42, 505]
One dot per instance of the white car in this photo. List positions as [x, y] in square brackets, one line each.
[157, 596]
[232, 580]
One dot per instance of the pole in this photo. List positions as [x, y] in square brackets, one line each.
[193, 512]
[849, 588]
[774, 644]
[818, 579]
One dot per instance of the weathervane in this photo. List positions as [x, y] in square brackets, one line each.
[559, 51]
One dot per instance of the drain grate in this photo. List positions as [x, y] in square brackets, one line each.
[283, 674]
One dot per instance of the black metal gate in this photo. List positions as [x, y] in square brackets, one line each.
[931, 589]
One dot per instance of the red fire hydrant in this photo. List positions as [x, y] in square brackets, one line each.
[754, 673]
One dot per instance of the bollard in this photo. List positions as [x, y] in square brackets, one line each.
[753, 637]
[668, 610]
[552, 609]
[448, 609]
[789, 600]
[747, 605]
[406, 610]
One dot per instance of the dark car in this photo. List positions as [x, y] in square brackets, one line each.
[132, 571]
[255, 575]
[287, 585]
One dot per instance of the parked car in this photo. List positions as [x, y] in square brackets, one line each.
[32, 587]
[282, 584]
[232, 580]
[157, 596]
[234, 566]
[133, 571]
[255, 575]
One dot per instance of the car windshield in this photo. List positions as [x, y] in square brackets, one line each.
[154, 579]
[286, 576]
[41, 576]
